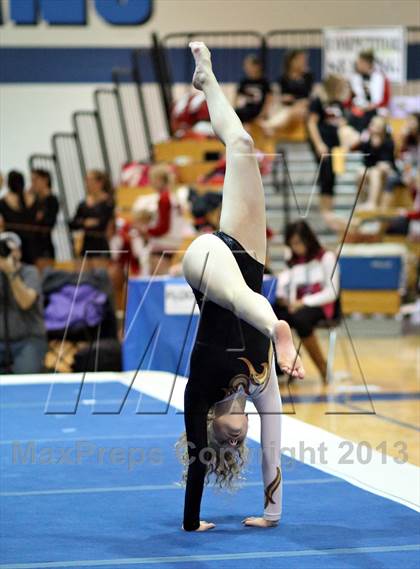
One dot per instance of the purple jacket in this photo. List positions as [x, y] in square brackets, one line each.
[75, 307]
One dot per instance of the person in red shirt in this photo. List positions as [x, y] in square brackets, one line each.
[162, 180]
[165, 235]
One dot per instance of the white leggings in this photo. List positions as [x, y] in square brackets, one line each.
[209, 265]
[269, 407]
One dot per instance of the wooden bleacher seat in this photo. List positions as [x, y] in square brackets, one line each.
[192, 149]
[397, 125]
[190, 173]
[126, 196]
[402, 197]
[69, 266]
[296, 133]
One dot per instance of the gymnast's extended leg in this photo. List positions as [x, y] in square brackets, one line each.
[209, 265]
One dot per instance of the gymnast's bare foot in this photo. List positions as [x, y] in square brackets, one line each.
[287, 357]
[259, 522]
[203, 68]
[204, 526]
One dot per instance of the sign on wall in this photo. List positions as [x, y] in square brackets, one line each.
[342, 45]
[75, 12]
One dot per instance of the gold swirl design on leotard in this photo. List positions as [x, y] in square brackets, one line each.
[271, 488]
[253, 377]
[256, 378]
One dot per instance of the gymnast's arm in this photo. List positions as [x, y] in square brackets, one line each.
[195, 411]
[269, 407]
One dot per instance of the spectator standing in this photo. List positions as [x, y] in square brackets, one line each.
[45, 213]
[94, 217]
[254, 92]
[17, 214]
[23, 343]
[328, 129]
[295, 84]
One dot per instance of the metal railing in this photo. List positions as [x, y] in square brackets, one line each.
[280, 180]
[134, 117]
[91, 142]
[69, 171]
[157, 104]
[175, 66]
[163, 77]
[113, 127]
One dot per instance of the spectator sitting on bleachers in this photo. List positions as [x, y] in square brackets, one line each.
[94, 217]
[16, 213]
[307, 291]
[23, 342]
[206, 209]
[408, 220]
[296, 84]
[378, 149]
[370, 89]
[45, 207]
[328, 129]
[167, 233]
[254, 92]
[409, 151]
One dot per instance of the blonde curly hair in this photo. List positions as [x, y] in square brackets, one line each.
[226, 466]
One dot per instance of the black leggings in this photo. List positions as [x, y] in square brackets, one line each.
[326, 177]
[303, 320]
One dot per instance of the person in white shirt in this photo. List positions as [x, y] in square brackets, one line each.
[370, 89]
[308, 290]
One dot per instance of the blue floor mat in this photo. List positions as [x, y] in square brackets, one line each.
[97, 510]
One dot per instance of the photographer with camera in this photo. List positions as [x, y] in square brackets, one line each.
[23, 342]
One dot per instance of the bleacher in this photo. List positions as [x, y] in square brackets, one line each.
[131, 122]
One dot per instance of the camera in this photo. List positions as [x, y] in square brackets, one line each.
[5, 249]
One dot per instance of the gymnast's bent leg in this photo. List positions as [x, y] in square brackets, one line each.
[209, 265]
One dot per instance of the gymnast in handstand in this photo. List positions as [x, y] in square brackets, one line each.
[232, 357]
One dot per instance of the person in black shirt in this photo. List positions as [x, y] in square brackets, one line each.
[253, 94]
[378, 149]
[233, 355]
[295, 85]
[94, 216]
[17, 214]
[327, 129]
[45, 208]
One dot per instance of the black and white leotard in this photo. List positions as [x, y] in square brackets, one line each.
[231, 355]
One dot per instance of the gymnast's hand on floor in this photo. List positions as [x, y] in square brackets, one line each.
[258, 522]
[204, 526]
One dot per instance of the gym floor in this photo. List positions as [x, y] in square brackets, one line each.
[90, 477]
